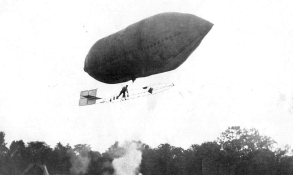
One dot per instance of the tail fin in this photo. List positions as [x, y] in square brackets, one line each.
[88, 97]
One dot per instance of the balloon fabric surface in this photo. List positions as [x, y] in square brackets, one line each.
[154, 45]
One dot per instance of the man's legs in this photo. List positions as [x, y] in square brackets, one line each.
[119, 94]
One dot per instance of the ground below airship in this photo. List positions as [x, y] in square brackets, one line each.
[154, 45]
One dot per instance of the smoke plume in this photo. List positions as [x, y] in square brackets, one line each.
[79, 159]
[130, 161]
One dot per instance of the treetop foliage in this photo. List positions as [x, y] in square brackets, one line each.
[236, 151]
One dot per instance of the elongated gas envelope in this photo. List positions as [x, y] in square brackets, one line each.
[154, 45]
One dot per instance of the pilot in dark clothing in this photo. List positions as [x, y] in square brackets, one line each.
[123, 91]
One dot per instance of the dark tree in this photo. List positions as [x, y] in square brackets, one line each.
[147, 163]
[39, 152]
[17, 157]
[246, 151]
[60, 163]
[3, 154]
[236, 152]
[96, 163]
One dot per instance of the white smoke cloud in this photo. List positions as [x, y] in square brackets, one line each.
[79, 165]
[129, 163]
[79, 162]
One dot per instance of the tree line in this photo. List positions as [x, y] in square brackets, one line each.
[237, 151]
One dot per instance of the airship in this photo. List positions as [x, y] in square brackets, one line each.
[154, 45]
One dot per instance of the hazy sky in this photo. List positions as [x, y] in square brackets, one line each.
[240, 75]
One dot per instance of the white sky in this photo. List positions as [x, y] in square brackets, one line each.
[241, 74]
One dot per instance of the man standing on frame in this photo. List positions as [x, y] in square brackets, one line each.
[123, 91]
